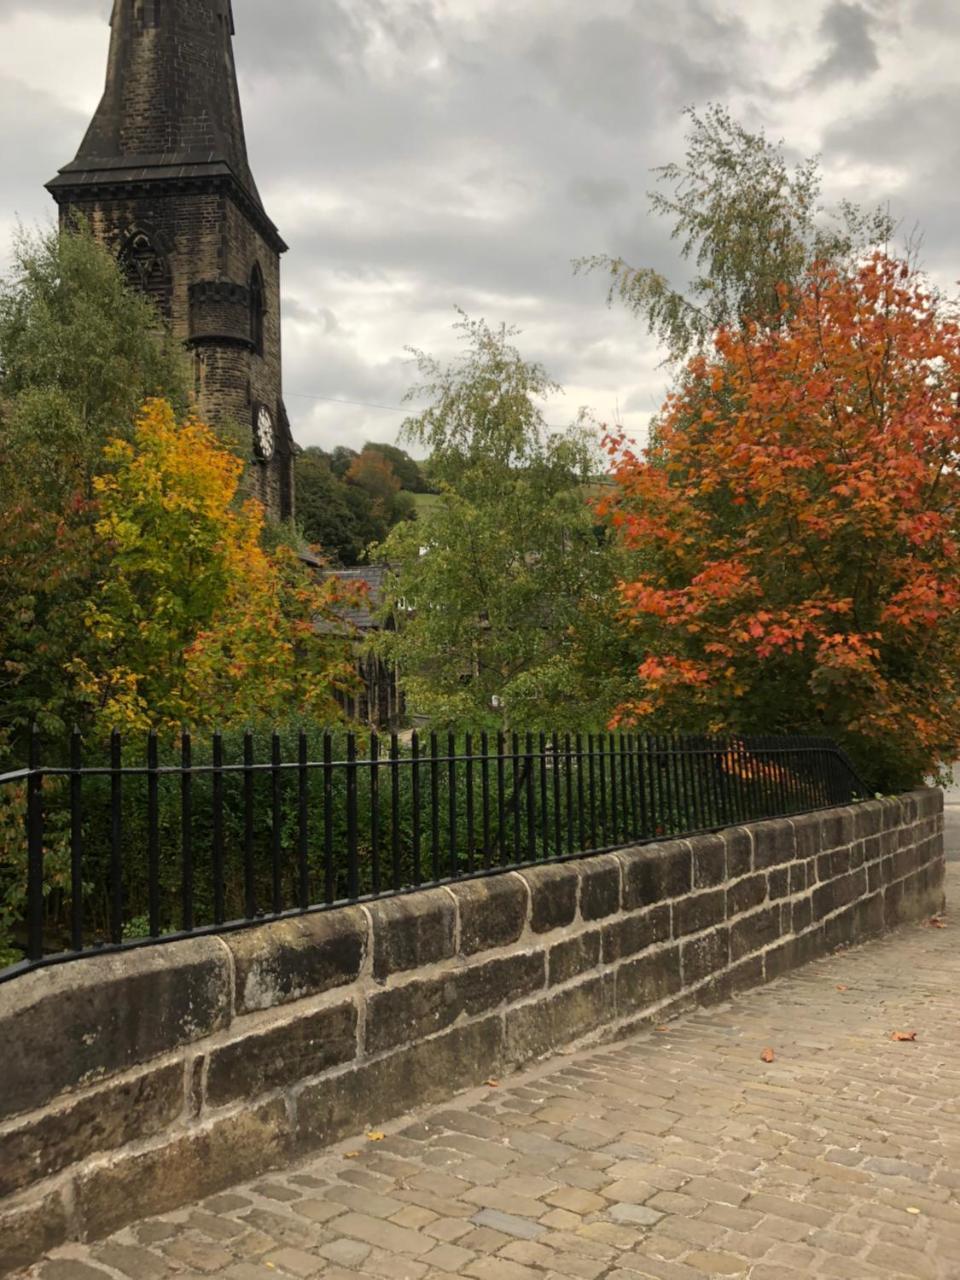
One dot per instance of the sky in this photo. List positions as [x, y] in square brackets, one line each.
[424, 155]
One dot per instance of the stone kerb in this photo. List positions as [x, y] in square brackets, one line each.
[132, 1084]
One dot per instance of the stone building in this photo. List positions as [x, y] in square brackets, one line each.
[163, 178]
[378, 699]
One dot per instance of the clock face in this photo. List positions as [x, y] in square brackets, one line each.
[264, 436]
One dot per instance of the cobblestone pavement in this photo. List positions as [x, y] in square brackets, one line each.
[673, 1156]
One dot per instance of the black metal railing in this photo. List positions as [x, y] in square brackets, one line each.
[151, 846]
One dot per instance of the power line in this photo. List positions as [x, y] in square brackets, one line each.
[366, 404]
[359, 404]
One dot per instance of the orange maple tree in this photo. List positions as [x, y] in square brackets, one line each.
[795, 526]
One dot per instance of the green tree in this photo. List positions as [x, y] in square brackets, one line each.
[407, 470]
[753, 228]
[333, 516]
[504, 590]
[79, 353]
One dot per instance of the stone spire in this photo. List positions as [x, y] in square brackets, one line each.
[171, 106]
[162, 178]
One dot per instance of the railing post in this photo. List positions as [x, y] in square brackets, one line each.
[153, 834]
[34, 822]
[76, 841]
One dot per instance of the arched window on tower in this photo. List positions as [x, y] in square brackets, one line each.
[258, 309]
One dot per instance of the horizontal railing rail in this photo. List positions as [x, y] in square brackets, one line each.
[100, 856]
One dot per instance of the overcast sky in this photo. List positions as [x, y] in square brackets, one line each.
[420, 155]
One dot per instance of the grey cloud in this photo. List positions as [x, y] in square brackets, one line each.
[419, 154]
[848, 31]
[599, 193]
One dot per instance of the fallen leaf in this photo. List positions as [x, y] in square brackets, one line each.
[904, 1037]
[662, 1030]
[768, 1056]
[841, 987]
[351, 1155]
[936, 923]
[912, 1209]
[376, 1136]
[493, 1084]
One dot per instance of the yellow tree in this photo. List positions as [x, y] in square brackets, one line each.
[194, 622]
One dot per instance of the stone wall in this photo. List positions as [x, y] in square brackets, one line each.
[131, 1084]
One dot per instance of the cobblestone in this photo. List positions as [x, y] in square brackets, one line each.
[675, 1155]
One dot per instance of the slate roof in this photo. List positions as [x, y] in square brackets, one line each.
[171, 106]
[359, 617]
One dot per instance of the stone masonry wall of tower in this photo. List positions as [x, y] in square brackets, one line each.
[163, 179]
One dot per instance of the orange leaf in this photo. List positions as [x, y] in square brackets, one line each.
[493, 1084]
[768, 1056]
[904, 1037]
[936, 923]
[841, 987]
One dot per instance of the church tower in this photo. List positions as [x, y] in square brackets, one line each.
[163, 178]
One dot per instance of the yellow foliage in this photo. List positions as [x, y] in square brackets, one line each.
[194, 622]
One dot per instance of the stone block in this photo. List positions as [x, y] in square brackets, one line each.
[839, 893]
[534, 1030]
[836, 828]
[648, 980]
[709, 861]
[893, 905]
[891, 816]
[778, 883]
[124, 1111]
[810, 945]
[801, 914]
[71, 1026]
[553, 896]
[833, 864]
[493, 912]
[574, 957]
[599, 887]
[929, 801]
[374, 1092]
[753, 933]
[841, 929]
[197, 1163]
[774, 843]
[746, 975]
[292, 959]
[702, 957]
[656, 873]
[413, 931]
[415, 1010]
[634, 933]
[699, 911]
[869, 918]
[797, 877]
[806, 830]
[866, 820]
[889, 842]
[28, 1231]
[739, 852]
[746, 894]
[282, 1055]
[781, 959]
